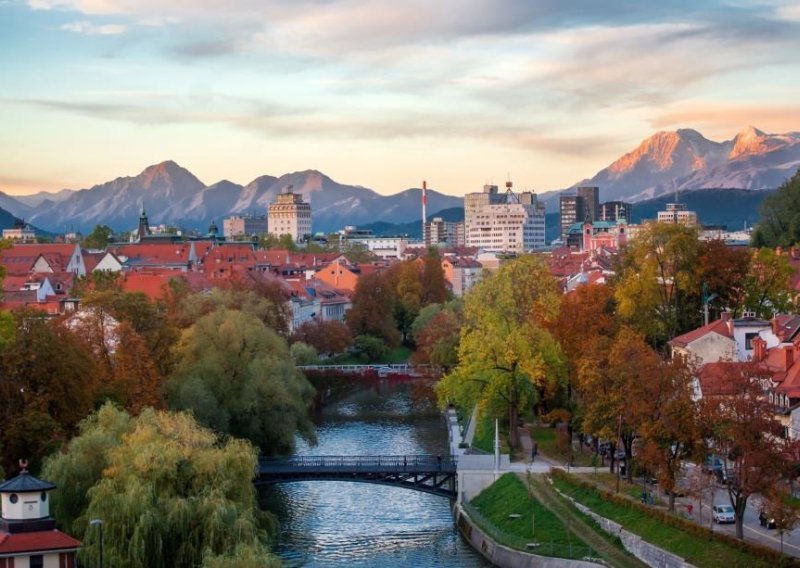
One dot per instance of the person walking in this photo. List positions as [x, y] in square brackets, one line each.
[534, 451]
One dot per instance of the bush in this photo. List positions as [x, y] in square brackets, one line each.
[373, 348]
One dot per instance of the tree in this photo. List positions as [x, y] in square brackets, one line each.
[507, 360]
[371, 347]
[47, 387]
[239, 378]
[780, 216]
[740, 423]
[405, 278]
[99, 238]
[437, 342]
[135, 377]
[723, 269]
[782, 507]
[303, 353]
[434, 287]
[194, 306]
[768, 285]
[372, 311]
[170, 492]
[656, 288]
[328, 337]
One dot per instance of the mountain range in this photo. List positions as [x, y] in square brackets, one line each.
[685, 160]
[666, 162]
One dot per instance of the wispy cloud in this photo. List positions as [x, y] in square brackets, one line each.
[86, 27]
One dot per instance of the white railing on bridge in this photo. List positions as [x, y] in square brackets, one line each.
[383, 369]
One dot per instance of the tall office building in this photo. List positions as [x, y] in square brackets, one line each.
[438, 231]
[507, 222]
[591, 202]
[244, 226]
[290, 215]
[677, 213]
[615, 211]
[571, 210]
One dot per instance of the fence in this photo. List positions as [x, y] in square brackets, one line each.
[552, 549]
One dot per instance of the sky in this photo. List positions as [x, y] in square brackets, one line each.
[380, 93]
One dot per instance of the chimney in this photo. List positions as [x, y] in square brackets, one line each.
[788, 357]
[759, 349]
[775, 327]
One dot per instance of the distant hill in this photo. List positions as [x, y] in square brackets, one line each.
[730, 207]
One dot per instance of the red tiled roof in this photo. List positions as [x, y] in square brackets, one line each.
[719, 326]
[713, 379]
[36, 541]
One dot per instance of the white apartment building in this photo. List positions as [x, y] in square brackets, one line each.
[677, 213]
[507, 222]
[290, 215]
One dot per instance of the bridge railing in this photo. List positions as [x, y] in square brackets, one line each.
[359, 463]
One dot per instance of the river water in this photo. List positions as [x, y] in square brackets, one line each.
[360, 525]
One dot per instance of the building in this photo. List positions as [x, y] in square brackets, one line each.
[677, 213]
[591, 202]
[21, 232]
[570, 209]
[441, 232]
[290, 215]
[28, 534]
[595, 235]
[509, 222]
[615, 211]
[244, 226]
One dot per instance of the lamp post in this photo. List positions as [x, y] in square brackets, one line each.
[99, 523]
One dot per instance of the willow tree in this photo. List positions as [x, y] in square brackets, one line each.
[169, 493]
[507, 360]
[238, 377]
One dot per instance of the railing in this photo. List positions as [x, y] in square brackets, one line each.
[377, 464]
[383, 369]
[530, 545]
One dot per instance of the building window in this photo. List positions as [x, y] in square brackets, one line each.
[748, 340]
[36, 561]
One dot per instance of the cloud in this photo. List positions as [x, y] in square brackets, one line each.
[721, 119]
[88, 28]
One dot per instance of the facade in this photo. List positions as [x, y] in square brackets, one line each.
[441, 232]
[462, 273]
[20, 232]
[615, 211]
[508, 222]
[28, 534]
[677, 213]
[588, 236]
[290, 215]
[570, 208]
[591, 202]
[244, 226]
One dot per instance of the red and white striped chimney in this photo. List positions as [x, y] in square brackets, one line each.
[424, 204]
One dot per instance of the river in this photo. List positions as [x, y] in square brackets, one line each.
[361, 525]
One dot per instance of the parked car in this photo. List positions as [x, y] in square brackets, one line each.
[712, 464]
[723, 514]
[725, 476]
[765, 520]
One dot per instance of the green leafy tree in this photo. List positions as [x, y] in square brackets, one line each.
[768, 285]
[656, 286]
[169, 492]
[507, 360]
[303, 353]
[194, 306]
[99, 238]
[780, 216]
[373, 348]
[239, 378]
[437, 342]
[405, 279]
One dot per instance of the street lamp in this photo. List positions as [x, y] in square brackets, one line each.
[99, 523]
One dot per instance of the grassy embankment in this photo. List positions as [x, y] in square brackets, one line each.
[514, 519]
[697, 545]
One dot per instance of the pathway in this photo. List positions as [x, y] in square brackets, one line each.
[579, 526]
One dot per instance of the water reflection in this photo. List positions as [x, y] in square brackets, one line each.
[361, 525]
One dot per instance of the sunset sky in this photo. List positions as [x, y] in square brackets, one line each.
[380, 93]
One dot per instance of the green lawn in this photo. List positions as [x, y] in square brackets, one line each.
[517, 520]
[608, 481]
[546, 438]
[695, 549]
[397, 355]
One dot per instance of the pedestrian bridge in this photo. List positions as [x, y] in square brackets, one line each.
[427, 473]
[382, 369]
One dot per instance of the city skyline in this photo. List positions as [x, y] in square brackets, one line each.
[375, 93]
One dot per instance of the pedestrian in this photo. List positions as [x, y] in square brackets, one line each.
[534, 450]
[689, 509]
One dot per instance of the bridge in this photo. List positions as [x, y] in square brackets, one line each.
[430, 474]
[382, 369]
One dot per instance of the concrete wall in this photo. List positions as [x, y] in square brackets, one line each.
[505, 557]
[648, 553]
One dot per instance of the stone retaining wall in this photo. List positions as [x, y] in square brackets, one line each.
[648, 553]
[504, 557]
